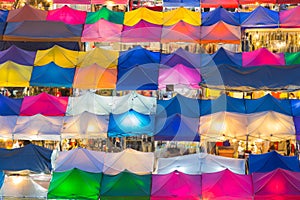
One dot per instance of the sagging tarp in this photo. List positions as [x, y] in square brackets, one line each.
[30, 157]
[226, 185]
[18, 56]
[289, 18]
[74, 184]
[181, 3]
[80, 158]
[292, 58]
[9, 106]
[38, 127]
[220, 14]
[125, 186]
[277, 184]
[217, 3]
[131, 18]
[181, 14]
[268, 162]
[130, 123]
[3, 15]
[85, 125]
[104, 13]
[223, 56]
[62, 57]
[26, 13]
[14, 75]
[140, 162]
[42, 31]
[7, 124]
[67, 15]
[52, 75]
[261, 17]
[44, 104]
[262, 57]
[176, 186]
[176, 127]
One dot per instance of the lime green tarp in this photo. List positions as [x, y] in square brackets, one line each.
[74, 184]
[292, 58]
[125, 186]
[104, 13]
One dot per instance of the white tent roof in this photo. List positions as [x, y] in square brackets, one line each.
[7, 124]
[130, 160]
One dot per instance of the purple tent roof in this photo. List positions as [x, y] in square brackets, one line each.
[17, 55]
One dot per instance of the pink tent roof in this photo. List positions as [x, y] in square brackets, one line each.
[290, 18]
[26, 13]
[226, 185]
[104, 1]
[44, 104]
[176, 186]
[72, 1]
[279, 184]
[102, 31]
[67, 15]
[262, 57]
[179, 75]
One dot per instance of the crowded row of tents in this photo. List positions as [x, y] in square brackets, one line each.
[141, 69]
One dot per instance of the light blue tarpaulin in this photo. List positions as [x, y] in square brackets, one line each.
[9, 106]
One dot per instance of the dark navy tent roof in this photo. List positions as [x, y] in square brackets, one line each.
[9, 106]
[223, 56]
[268, 103]
[220, 14]
[52, 75]
[183, 3]
[260, 17]
[35, 46]
[270, 161]
[17, 55]
[30, 157]
[3, 15]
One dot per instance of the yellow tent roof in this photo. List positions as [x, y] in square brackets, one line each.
[133, 17]
[181, 14]
[14, 75]
[102, 57]
[62, 57]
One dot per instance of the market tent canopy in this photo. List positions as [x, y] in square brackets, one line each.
[104, 13]
[262, 57]
[72, 1]
[181, 14]
[67, 15]
[85, 125]
[277, 184]
[295, 104]
[226, 185]
[30, 157]
[7, 124]
[1, 178]
[44, 104]
[217, 3]
[74, 184]
[220, 14]
[80, 158]
[3, 15]
[14, 75]
[181, 3]
[17, 55]
[9, 106]
[26, 13]
[176, 185]
[118, 2]
[226, 57]
[289, 18]
[292, 58]
[131, 18]
[125, 185]
[140, 162]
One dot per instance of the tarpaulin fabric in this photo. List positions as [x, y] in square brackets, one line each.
[35, 46]
[220, 14]
[2, 29]
[226, 185]
[9, 106]
[130, 123]
[181, 14]
[26, 13]
[223, 56]
[262, 57]
[104, 13]
[38, 127]
[30, 157]
[220, 32]
[1, 178]
[296, 120]
[277, 184]
[176, 186]
[62, 57]
[67, 15]
[131, 18]
[80, 158]
[289, 18]
[292, 58]
[140, 162]
[14, 75]
[268, 162]
[260, 18]
[52, 75]
[72, 1]
[181, 3]
[42, 31]
[74, 184]
[254, 1]
[176, 127]
[295, 104]
[44, 104]
[17, 55]
[85, 125]
[105, 1]
[3, 15]
[7, 124]
[217, 3]
[102, 31]
[125, 185]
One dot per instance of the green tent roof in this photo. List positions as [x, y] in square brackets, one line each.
[104, 13]
[292, 58]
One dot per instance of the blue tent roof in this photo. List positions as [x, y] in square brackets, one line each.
[268, 103]
[270, 161]
[17, 55]
[223, 56]
[260, 17]
[183, 3]
[1, 178]
[3, 15]
[220, 14]
[295, 104]
[29, 157]
[51, 75]
[9, 106]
